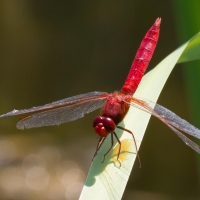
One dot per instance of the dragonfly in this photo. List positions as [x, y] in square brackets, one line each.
[114, 106]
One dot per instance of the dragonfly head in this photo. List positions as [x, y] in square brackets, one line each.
[103, 125]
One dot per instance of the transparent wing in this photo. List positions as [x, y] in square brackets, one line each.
[173, 121]
[60, 115]
[63, 111]
[64, 102]
[187, 141]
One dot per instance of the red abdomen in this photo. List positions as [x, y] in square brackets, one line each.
[142, 59]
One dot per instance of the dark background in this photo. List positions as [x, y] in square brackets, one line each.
[50, 50]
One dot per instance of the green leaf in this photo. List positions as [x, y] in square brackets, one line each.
[108, 180]
[192, 52]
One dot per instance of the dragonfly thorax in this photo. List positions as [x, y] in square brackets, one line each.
[103, 125]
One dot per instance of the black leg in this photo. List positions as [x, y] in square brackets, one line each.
[100, 142]
[112, 142]
[133, 140]
[119, 147]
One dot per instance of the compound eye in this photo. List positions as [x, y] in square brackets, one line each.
[103, 125]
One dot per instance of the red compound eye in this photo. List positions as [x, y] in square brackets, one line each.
[103, 125]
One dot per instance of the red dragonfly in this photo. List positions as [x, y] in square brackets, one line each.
[114, 106]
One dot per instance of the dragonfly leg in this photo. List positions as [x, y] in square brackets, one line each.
[100, 142]
[134, 142]
[119, 147]
[112, 142]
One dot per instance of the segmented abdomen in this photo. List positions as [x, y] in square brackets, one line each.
[142, 59]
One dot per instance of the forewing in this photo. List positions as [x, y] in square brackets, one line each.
[187, 141]
[60, 115]
[167, 116]
[171, 118]
[173, 121]
[64, 102]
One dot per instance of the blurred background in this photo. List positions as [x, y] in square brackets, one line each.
[50, 50]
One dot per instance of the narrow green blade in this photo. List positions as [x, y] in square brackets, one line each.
[107, 180]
